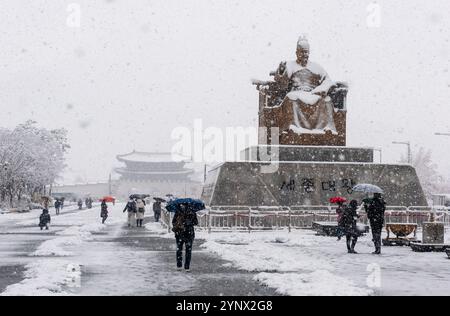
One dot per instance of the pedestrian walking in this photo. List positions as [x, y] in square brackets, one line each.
[44, 219]
[80, 204]
[183, 226]
[104, 211]
[349, 225]
[88, 202]
[340, 212]
[57, 206]
[157, 210]
[140, 205]
[375, 209]
[131, 209]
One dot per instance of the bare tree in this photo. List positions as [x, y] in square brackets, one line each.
[427, 171]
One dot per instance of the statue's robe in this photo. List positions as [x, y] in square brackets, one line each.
[307, 92]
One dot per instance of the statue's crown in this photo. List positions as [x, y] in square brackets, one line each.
[303, 42]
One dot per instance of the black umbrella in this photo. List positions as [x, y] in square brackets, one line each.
[139, 196]
[193, 204]
[157, 199]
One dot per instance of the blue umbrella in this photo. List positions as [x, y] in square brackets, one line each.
[193, 204]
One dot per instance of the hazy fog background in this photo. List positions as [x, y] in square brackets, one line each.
[136, 69]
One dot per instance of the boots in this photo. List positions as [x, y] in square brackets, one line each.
[351, 243]
[353, 247]
[377, 249]
[349, 249]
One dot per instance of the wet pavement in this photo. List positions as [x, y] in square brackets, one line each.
[15, 247]
[137, 262]
[18, 241]
[121, 261]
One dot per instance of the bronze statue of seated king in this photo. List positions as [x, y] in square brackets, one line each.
[303, 102]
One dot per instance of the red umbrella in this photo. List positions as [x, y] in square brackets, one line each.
[338, 199]
[108, 199]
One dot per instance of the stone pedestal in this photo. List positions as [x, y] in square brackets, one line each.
[432, 239]
[308, 153]
[306, 175]
[433, 233]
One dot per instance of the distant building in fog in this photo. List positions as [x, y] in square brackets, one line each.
[155, 174]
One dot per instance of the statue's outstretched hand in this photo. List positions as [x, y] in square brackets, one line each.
[323, 94]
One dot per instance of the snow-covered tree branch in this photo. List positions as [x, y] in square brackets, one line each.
[31, 158]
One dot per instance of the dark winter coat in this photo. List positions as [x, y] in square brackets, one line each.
[340, 211]
[183, 225]
[130, 207]
[349, 221]
[57, 204]
[104, 210]
[375, 213]
[44, 219]
[157, 207]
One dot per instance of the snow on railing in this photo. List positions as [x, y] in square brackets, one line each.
[260, 218]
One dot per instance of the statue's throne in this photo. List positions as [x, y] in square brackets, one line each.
[275, 110]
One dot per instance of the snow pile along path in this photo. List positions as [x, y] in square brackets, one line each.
[73, 236]
[45, 278]
[287, 262]
[158, 229]
[51, 275]
[317, 283]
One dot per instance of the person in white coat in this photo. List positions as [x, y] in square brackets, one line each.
[140, 205]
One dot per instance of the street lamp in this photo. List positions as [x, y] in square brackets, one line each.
[409, 149]
[205, 171]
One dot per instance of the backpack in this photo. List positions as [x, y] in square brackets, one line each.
[179, 225]
[132, 207]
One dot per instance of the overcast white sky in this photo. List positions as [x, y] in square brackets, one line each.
[136, 69]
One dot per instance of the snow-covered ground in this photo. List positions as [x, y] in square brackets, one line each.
[301, 263]
[81, 256]
[296, 263]
[51, 267]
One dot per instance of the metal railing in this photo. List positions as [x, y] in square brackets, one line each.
[254, 218]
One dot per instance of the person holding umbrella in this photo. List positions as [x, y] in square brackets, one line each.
[183, 223]
[132, 210]
[375, 209]
[157, 208]
[104, 211]
[183, 226]
[349, 224]
[339, 211]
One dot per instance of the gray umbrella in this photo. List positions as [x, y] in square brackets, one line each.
[367, 188]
